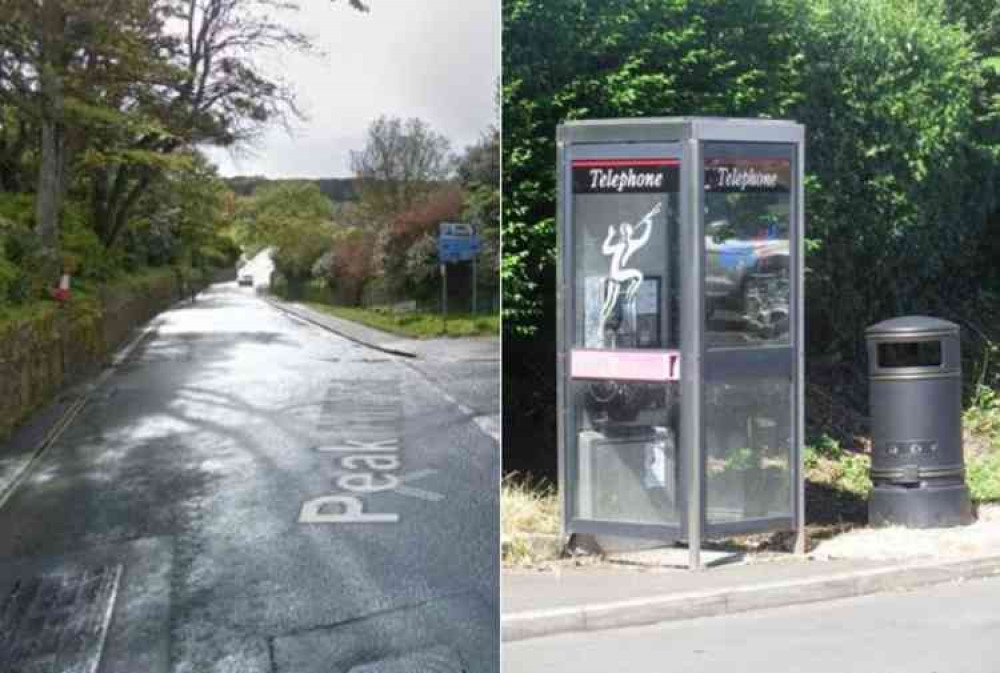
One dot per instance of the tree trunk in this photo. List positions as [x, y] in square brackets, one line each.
[99, 182]
[52, 166]
[123, 209]
[51, 173]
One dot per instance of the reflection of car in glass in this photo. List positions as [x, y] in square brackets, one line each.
[246, 280]
[747, 275]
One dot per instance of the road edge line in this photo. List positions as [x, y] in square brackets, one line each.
[309, 319]
[675, 607]
[50, 438]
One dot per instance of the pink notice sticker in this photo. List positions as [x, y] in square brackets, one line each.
[625, 365]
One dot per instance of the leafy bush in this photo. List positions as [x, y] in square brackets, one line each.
[323, 269]
[23, 250]
[827, 462]
[826, 446]
[9, 275]
[279, 286]
[317, 291]
[981, 422]
[218, 252]
[83, 253]
[896, 187]
[982, 416]
[855, 473]
[153, 241]
[810, 458]
[421, 262]
[16, 210]
[19, 249]
[983, 475]
[741, 458]
[351, 269]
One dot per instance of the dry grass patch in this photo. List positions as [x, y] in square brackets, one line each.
[529, 519]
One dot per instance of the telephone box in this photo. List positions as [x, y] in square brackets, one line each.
[681, 328]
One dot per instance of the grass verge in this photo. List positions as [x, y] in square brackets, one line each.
[415, 325]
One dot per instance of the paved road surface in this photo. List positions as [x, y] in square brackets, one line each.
[273, 497]
[952, 628]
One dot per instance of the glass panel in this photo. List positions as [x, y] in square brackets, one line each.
[748, 413]
[627, 451]
[747, 270]
[748, 449]
[910, 354]
[625, 297]
[625, 229]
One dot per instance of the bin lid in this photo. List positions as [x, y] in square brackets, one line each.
[912, 325]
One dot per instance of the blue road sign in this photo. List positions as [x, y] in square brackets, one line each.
[457, 248]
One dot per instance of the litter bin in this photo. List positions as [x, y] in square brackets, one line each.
[915, 395]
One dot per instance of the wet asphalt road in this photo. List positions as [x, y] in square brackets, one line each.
[219, 465]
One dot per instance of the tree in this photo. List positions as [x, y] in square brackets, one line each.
[347, 266]
[409, 250]
[114, 88]
[401, 162]
[185, 217]
[480, 163]
[295, 220]
[55, 56]
[479, 173]
[217, 95]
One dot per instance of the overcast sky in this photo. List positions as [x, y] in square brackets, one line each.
[434, 59]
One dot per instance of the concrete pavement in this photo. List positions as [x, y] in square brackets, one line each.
[597, 598]
[949, 628]
[250, 493]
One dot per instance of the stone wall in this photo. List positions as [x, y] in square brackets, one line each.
[42, 355]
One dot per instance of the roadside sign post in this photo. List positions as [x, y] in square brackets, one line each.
[457, 242]
[444, 298]
[475, 282]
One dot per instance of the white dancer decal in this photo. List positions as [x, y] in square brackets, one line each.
[630, 240]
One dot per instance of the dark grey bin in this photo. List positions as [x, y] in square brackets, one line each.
[915, 395]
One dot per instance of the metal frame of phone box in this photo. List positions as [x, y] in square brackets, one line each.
[595, 139]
